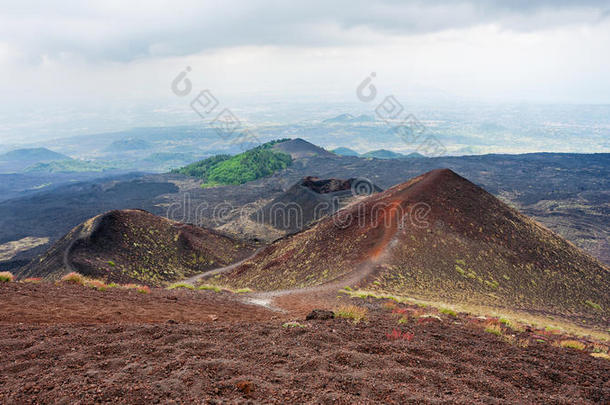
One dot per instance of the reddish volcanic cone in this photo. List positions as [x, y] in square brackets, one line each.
[437, 236]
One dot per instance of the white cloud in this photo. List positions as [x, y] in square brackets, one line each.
[76, 54]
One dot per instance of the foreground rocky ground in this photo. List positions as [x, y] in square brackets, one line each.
[72, 344]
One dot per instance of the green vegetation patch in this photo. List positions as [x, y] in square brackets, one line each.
[593, 305]
[253, 164]
[209, 287]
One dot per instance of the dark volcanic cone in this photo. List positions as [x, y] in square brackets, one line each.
[309, 200]
[136, 246]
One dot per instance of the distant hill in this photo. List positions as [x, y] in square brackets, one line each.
[19, 159]
[383, 154]
[136, 246]
[127, 145]
[388, 154]
[253, 164]
[349, 118]
[73, 166]
[441, 238]
[299, 148]
[341, 151]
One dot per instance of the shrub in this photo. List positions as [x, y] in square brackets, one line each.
[352, 312]
[34, 280]
[494, 329]
[6, 277]
[181, 285]
[601, 355]
[73, 278]
[572, 344]
[398, 335]
[209, 287]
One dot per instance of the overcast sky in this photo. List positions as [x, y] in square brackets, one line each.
[107, 52]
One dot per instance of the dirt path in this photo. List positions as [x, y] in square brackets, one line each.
[193, 280]
[302, 300]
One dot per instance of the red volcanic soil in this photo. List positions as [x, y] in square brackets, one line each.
[72, 344]
[46, 303]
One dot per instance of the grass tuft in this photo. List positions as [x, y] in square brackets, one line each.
[97, 284]
[6, 277]
[572, 344]
[293, 325]
[34, 280]
[447, 311]
[209, 287]
[243, 291]
[352, 312]
[73, 278]
[142, 289]
[601, 355]
[494, 329]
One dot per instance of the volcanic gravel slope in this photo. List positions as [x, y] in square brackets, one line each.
[136, 246]
[438, 237]
[246, 355]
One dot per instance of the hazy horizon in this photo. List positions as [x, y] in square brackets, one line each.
[70, 69]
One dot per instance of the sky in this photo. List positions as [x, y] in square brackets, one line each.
[65, 62]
